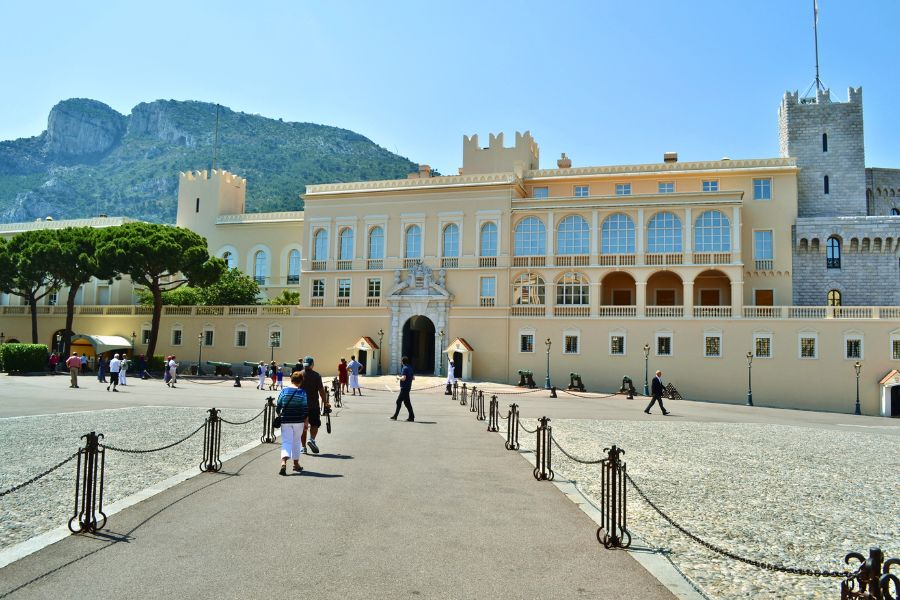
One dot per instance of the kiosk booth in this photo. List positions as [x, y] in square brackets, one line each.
[460, 352]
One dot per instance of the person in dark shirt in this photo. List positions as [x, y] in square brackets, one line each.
[293, 408]
[406, 379]
[312, 385]
[656, 392]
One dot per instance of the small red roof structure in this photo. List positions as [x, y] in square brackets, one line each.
[889, 376]
[364, 343]
[458, 344]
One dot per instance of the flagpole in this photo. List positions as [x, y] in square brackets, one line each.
[816, 34]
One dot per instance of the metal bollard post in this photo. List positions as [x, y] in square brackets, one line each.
[456, 392]
[512, 428]
[480, 414]
[494, 412]
[268, 436]
[543, 470]
[336, 390]
[89, 486]
[212, 443]
[553, 392]
[872, 579]
[613, 533]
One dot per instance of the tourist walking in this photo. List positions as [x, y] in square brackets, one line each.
[261, 372]
[142, 367]
[83, 363]
[166, 377]
[123, 369]
[312, 385]
[280, 378]
[54, 361]
[74, 365]
[342, 374]
[354, 368]
[114, 366]
[102, 366]
[656, 391]
[294, 409]
[172, 368]
[406, 379]
[273, 375]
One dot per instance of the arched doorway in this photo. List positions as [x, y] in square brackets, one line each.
[418, 344]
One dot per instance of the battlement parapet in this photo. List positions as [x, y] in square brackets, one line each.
[204, 175]
[497, 158]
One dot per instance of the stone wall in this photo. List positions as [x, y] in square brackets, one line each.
[882, 191]
[869, 273]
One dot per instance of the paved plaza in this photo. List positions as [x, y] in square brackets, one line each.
[434, 509]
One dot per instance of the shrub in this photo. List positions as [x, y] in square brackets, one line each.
[23, 358]
[156, 363]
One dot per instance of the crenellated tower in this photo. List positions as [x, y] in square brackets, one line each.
[496, 158]
[204, 196]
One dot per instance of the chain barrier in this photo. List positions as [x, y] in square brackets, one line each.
[243, 422]
[166, 447]
[38, 477]
[525, 429]
[208, 382]
[613, 532]
[212, 442]
[718, 550]
[89, 486]
[578, 460]
[502, 393]
[872, 579]
[512, 428]
[590, 395]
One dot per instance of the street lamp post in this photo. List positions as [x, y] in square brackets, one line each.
[749, 379]
[441, 361]
[58, 347]
[646, 369]
[199, 354]
[548, 343]
[858, 366]
[272, 338]
[380, 349]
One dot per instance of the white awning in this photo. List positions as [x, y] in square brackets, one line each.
[104, 343]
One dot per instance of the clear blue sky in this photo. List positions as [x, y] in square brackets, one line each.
[608, 82]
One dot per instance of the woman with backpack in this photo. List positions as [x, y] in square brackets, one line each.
[293, 412]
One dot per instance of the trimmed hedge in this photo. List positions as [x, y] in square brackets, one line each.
[23, 358]
[156, 363]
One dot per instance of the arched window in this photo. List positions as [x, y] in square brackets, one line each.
[572, 236]
[664, 233]
[413, 247]
[450, 245]
[293, 276]
[345, 244]
[826, 184]
[712, 232]
[229, 259]
[573, 289]
[320, 245]
[833, 253]
[834, 298]
[376, 243]
[489, 239]
[617, 235]
[260, 266]
[824, 142]
[531, 237]
[528, 288]
[895, 211]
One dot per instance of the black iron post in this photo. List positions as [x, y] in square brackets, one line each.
[89, 486]
[272, 339]
[268, 436]
[858, 366]
[455, 396]
[199, 354]
[749, 379]
[212, 442]
[512, 428]
[543, 470]
[548, 343]
[613, 532]
[646, 369]
[480, 416]
[380, 349]
[59, 349]
[494, 420]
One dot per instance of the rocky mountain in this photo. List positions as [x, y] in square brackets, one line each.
[93, 160]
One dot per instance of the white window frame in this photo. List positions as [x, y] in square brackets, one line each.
[713, 185]
[209, 329]
[581, 191]
[146, 328]
[238, 329]
[764, 335]
[615, 334]
[407, 220]
[524, 332]
[713, 334]
[576, 333]
[337, 288]
[855, 335]
[623, 189]
[753, 239]
[753, 182]
[312, 288]
[274, 329]
[540, 191]
[660, 189]
[176, 327]
[894, 337]
[480, 288]
[813, 335]
[369, 281]
[664, 334]
[481, 223]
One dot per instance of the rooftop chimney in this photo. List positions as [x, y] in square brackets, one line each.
[564, 162]
[670, 157]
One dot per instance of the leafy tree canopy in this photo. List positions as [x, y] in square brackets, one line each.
[287, 298]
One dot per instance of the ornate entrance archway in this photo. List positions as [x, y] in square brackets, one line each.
[418, 344]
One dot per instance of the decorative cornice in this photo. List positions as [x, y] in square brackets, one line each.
[388, 185]
[270, 217]
[711, 165]
[95, 222]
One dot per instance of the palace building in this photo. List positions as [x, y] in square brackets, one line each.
[785, 270]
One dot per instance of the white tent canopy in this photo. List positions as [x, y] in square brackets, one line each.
[104, 343]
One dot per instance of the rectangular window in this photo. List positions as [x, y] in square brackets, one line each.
[343, 292]
[240, 338]
[208, 337]
[526, 342]
[895, 348]
[541, 192]
[176, 337]
[712, 346]
[488, 291]
[318, 288]
[617, 345]
[664, 345]
[582, 191]
[571, 344]
[275, 339]
[623, 189]
[762, 245]
[710, 185]
[373, 288]
[145, 336]
[853, 348]
[762, 189]
[762, 345]
[666, 187]
[52, 298]
[808, 346]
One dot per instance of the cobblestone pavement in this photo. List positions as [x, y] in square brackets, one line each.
[797, 496]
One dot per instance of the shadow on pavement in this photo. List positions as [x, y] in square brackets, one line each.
[329, 455]
[306, 473]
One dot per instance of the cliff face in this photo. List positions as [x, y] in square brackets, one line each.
[93, 160]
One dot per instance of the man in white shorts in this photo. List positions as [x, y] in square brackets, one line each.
[353, 369]
[114, 366]
[123, 368]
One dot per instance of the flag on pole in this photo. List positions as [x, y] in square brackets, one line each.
[816, 11]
